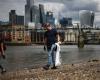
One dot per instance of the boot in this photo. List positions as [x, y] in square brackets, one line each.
[54, 67]
[2, 70]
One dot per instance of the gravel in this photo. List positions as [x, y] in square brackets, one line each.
[81, 71]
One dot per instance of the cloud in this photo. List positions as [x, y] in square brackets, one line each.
[7, 5]
[66, 8]
[70, 8]
[77, 5]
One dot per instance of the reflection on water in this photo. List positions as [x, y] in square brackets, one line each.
[19, 57]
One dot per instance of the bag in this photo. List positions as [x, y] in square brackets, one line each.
[58, 60]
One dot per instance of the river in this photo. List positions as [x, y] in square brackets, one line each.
[20, 57]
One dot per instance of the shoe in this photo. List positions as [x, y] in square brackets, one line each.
[3, 71]
[54, 67]
[46, 67]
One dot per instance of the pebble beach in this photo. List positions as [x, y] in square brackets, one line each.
[80, 71]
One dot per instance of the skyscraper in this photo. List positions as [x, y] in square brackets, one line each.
[49, 18]
[86, 17]
[20, 20]
[92, 18]
[65, 22]
[12, 17]
[30, 3]
[35, 16]
[42, 14]
[28, 11]
[15, 19]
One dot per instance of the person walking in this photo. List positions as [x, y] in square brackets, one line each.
[50, 37]
[2, 55]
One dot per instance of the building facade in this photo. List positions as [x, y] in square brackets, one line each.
[86, 18]
[66, 22]
[50, 18]
[20, 20]
[15, 19]
[12, 17]
[17, 34]
[28, 11]
[35, 17]
[42, 14]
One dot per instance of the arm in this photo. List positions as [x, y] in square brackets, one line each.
[44, 44]
[2, 49]
[45, 41]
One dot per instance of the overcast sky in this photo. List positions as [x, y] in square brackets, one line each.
[68, 8]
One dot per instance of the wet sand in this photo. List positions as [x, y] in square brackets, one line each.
[81, 71]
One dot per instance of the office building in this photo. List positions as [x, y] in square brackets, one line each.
[66, 22]
[49, 18]
[92, 18]
[42, 14]
[19, 20]
[18, 34]
[35, 17]
[15, 19]
[28, 11]
[12, 17]
[86, 18]
[30, 3]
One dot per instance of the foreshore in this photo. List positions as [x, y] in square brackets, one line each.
[81, 71]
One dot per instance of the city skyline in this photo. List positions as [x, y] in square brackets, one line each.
[68, 8]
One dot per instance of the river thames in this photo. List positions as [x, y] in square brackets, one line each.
[21, 57]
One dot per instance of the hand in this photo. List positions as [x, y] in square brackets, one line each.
[55, 48]
[3, 56]
[44, 48]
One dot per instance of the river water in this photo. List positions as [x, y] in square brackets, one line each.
[20, 57]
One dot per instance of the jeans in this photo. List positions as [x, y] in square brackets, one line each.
[51, 57]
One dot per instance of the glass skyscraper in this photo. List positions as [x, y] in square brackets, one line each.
[28, 11]
[86, 18]
[42, 14]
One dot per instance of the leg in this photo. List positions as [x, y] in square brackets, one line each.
[1, 67]
[53, 60]
[49, 60]
[3, 70]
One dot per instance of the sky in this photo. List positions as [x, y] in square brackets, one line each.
[66, 8]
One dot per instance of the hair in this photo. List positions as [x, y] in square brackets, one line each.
[46, 25]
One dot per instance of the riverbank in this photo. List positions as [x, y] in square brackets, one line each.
[82, 71]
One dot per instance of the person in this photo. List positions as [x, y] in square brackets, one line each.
[50, 37]
[2, 55]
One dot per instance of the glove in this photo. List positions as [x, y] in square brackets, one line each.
[55, 49]
[3, 56]
[44, 48]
